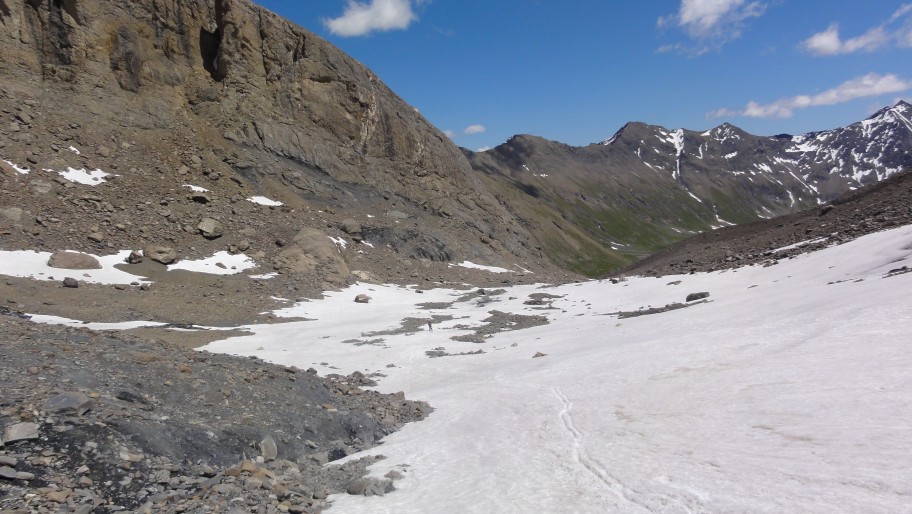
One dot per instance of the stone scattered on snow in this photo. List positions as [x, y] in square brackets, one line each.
[692, 297]
[73, 260]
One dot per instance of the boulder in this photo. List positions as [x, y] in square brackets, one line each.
[351, 227]
[161, 254]
[73, 260]
[135, 257]
[70, 403]
[70, 282]
[20, 432]
[313, 252]
[13, 214]
[692, 297]
[210, 228]
[268, 448]
[362, 298]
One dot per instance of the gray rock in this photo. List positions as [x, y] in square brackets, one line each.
[362, 298]
[135, 257]
[692, 297]
[7, 473]
[161, 254]
[268, 448]
[71, 402]
[70, 282]
[210, 228]
[351, 227]
[397, 215]
[13, 214]
[20, 432]
[73, 260]
[313, 251]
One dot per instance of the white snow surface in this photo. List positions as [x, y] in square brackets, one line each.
[122, 325]
[19, 169]
[31, 264]
[84, 176]
[233, 264]
[196, 189]
[262, 200]
[472, 265]
[789, 391]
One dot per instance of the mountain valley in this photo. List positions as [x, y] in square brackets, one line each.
[239, 273]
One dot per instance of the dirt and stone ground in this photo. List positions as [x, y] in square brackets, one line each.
[104, 422]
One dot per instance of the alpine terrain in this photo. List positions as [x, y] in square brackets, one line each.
[238, 274]
[607, 204]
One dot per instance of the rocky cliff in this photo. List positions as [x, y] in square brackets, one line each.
[227, 96]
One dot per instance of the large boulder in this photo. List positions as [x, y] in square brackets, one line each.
[313, 252]
[161, 254]
[73, 260]
[210, 228]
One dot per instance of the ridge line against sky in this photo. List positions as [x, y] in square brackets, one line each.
[574, 71]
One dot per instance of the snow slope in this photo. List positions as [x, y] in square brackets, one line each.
[790, 390]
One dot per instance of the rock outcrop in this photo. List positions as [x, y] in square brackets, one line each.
[225, 89]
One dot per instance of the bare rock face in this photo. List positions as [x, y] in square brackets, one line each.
[73, 260]
[259, 99]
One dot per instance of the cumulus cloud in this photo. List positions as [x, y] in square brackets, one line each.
[830, 42]
[474, 129]
[362, 18]
[871, 84]
[449, 133]
[711, 23]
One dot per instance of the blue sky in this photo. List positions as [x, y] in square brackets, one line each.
[576, 70]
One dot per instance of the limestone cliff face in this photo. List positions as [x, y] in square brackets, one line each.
[257, 94]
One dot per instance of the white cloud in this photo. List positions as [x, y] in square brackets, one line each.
[449, 133]
[901, 12]
[711, 23]
[474, 129]
[483, 149]
[905, 37]
[871, 84]
[829, 42]
[360, 18]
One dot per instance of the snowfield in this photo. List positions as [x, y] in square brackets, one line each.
[789, 390]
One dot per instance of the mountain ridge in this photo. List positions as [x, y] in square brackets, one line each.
[647, 186]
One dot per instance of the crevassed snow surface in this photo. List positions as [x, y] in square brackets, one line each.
[789, 391]
[230, 264]
[262, 200]
[31, 264]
